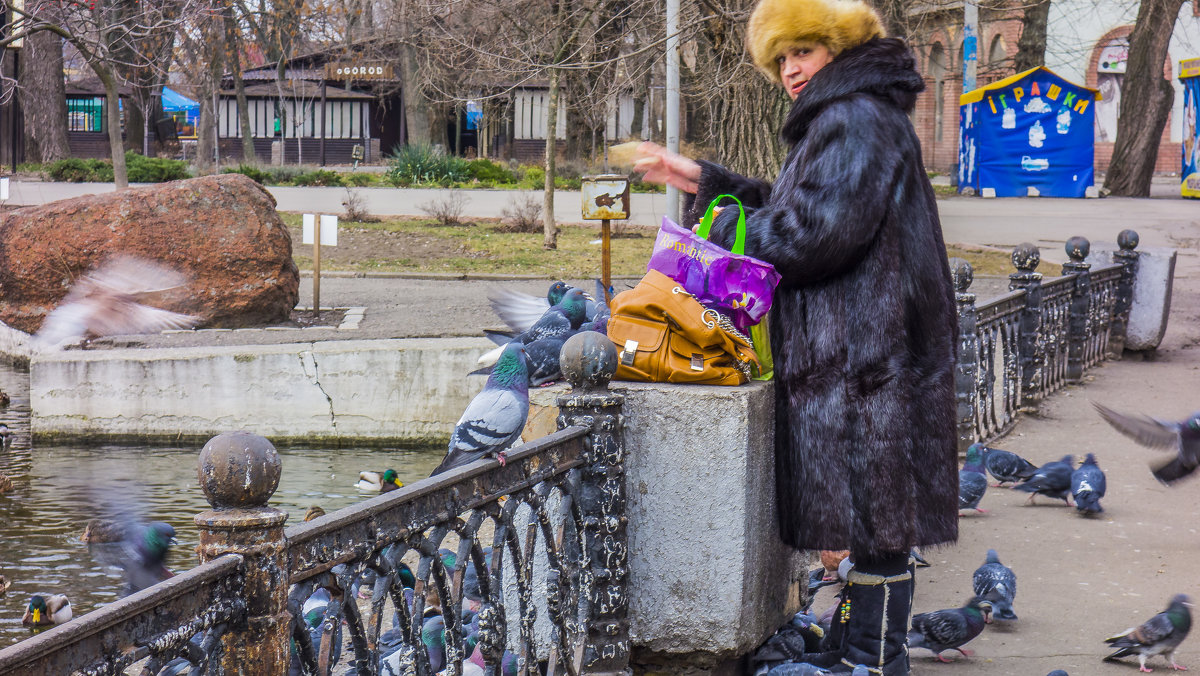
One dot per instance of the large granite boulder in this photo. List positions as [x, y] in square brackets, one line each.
[221, 231]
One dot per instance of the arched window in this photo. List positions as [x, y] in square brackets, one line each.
[937, 73]
[997, 53]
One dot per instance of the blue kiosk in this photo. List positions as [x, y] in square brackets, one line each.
[1033, 129]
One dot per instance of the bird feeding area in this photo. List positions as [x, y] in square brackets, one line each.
[1033, 130]
[605, 198]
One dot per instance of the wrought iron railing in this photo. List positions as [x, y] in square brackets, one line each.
[1042, 335]
[491, 568]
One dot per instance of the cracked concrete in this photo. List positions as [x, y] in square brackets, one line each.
[308, 356]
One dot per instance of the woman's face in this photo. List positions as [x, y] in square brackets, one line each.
[800, 63]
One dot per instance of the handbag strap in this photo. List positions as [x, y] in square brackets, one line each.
[739, 244]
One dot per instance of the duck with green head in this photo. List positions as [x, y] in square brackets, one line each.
[379, 482]
[43, 610]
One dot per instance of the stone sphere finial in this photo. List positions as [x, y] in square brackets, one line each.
[238, 470]
[962, 273]
[1025, 257]
[1128, 240]
[1078, 248]
[588, 360]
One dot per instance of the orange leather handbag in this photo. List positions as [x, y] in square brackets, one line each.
[664, 335]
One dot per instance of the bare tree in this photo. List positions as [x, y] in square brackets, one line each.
[42, 94]
[1031, 46]
[1146, 98]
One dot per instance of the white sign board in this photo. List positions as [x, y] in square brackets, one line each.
[329, 228]
[4, 188]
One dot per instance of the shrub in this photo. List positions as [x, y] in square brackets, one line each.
[356, 207]
[356, 180]
[421, 164]
[323, 177]
[447, 209]
[533, 177]
[485, 170]
[523, 214]
[71, 169]
[141, 169]
[249, 170]
[284, 175]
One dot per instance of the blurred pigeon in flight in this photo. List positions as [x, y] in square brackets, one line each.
[1159, 635]
[520, 311]
[496, 416]
[948, 629]
[1052, 480]
[972, 482]
[1088, 486]
[104, 302]
[996, 585]
[1181, 437]
[559, 321]
[1006, 466]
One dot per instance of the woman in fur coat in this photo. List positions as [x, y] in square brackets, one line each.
[864, 326]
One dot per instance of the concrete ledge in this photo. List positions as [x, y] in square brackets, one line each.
[408, 391]
[1152, 286]
[16, 346]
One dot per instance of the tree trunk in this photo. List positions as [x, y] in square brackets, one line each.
[549, 227]
[233, 37]
[1146, 99]
[43, 98]
[1031, 46]
[135, 127]
[746, 120]
[113, 122]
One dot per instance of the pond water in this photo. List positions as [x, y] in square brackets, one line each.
[59, 487]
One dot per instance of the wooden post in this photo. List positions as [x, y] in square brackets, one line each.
[605, 255]
[316, 265]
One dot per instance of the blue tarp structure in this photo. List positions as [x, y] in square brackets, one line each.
[185, 111]
[1189, 75]
[1031, 129]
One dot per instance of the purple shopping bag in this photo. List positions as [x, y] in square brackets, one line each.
[731, 282]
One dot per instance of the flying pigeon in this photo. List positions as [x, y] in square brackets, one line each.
[142, 554]
[1052, 480]
[948, 629]
[1006, 466]
[519, 311]
[496, 416]
[996, 585]
[1087, 486]
[972, 482]
[1182, 437]
[559, 321]
[1159, 635]
[104, 302]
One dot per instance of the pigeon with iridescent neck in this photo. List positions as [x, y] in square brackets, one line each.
[948, 629]
[1182, 437]
[1160, 635]
[496, 416]
[972, 482]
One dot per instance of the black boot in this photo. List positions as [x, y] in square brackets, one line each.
[833, 646]
[880, 602]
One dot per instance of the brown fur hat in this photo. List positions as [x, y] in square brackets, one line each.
[777, 25]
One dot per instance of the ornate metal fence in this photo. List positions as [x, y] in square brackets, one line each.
[1042, 335]
[516, 568]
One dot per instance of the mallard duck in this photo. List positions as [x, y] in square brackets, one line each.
[380, 483]
[47, 610]
[6, 484]
[6, 435]
[102, 530]
[5, 583]
[4, 400]
[314, 512]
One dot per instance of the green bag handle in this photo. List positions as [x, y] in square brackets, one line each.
[739, 244]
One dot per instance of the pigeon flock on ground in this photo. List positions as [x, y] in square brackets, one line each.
[994, 585]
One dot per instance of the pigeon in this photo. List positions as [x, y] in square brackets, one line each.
[802, 634]
[543, 357]
[948, 629]
[1159, 635]
[996, 585]
[141, 554]
[1182, 437]
[496, 416]
[104, 303]
[1087, 486]
[972, 482]
[1057, 672]
[519, 311]
[1052, 480]
[1006, 466]
[918, 560]
[47, 610]
[797, 669]
[559, 321]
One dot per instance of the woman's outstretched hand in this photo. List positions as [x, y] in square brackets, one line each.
[665, 167]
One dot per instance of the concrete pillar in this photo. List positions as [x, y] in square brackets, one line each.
[239, 473]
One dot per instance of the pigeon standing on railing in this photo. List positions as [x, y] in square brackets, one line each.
[1052, 480]
[494, 419]
[1006, 466]
[104, 302]
[1159, 635]
[1088, 485]
[996, 585]
[1182, 437]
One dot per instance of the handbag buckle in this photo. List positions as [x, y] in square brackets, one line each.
[697, 362]
[629, 352]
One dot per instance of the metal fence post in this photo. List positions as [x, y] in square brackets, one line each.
[1025, 258]
[1126, 256]
[967, 372]
[589, 361]
[239, 472]
[1079, 328]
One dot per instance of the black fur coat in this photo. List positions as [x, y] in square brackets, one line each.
[864, 324]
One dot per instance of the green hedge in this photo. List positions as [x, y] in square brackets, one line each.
[138, 168]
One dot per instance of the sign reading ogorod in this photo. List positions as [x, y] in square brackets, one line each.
[354, 70]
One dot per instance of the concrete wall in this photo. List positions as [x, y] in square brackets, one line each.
[408, 391]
